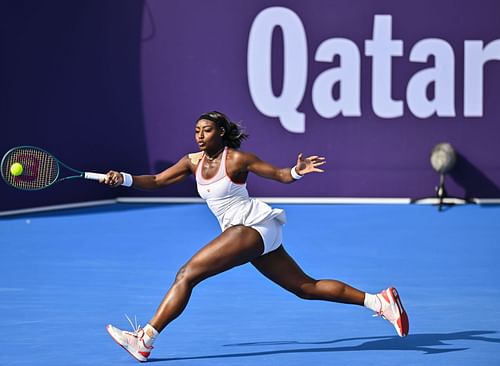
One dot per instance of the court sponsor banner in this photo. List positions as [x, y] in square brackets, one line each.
[373, 86]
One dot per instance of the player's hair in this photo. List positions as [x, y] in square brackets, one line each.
[233, 132]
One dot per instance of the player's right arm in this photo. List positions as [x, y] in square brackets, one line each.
[174, 174]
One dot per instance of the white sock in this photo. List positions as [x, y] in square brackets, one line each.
[150, 335]
[372, 302]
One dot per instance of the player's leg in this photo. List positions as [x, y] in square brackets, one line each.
[235, 246]
[280, 268]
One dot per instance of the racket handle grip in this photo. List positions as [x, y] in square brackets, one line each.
[94, 176]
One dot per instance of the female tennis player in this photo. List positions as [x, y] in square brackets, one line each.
[251, 231]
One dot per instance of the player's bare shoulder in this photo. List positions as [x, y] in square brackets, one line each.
[239, 159]
[192, 159]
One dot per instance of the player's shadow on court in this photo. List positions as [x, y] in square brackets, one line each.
[425, 343]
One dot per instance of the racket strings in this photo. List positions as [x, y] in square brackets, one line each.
[40, 169]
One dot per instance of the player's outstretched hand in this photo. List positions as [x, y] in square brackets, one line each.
[310, 164]
[113, 179]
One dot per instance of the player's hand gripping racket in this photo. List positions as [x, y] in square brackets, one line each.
[31, 168]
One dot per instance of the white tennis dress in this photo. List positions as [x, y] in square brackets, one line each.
[231, 205]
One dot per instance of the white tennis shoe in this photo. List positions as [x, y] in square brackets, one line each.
[393, 311]
[132, 342]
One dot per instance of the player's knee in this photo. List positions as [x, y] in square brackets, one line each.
[305, 295]
[187, 275]
[181, 274]
[305, 291]
[184, 275]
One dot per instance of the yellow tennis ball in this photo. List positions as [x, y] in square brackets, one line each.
[16, 169]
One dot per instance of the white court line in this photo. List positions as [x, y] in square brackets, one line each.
[278, 200]
[56, 207]
[284, 200]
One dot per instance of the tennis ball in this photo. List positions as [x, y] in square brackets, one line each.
[16, 169]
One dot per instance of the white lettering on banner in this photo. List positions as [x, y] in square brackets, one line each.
[442, 75]
[476, 56]
[259, 60]
[381, 48]
[347, 75]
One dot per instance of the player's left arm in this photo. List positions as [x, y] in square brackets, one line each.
[310, 164]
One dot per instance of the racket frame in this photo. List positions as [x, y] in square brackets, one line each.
[59, 163]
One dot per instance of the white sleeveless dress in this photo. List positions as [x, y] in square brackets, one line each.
[231, 205]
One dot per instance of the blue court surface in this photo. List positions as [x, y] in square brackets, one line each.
[65, 275]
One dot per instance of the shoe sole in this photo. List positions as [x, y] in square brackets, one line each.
[122, 346]
[403, 324]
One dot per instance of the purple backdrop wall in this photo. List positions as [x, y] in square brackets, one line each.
[197, 59]
[373, 86]
[70, 83]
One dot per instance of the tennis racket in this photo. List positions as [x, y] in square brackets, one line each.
[40, 170]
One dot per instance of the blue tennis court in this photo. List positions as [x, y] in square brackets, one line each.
[66, 274]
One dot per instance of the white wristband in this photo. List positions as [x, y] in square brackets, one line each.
[294, 173]
[127, 179]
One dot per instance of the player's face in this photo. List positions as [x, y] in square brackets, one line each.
[207, 135]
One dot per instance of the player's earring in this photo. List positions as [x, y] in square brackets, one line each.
[222, 131]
